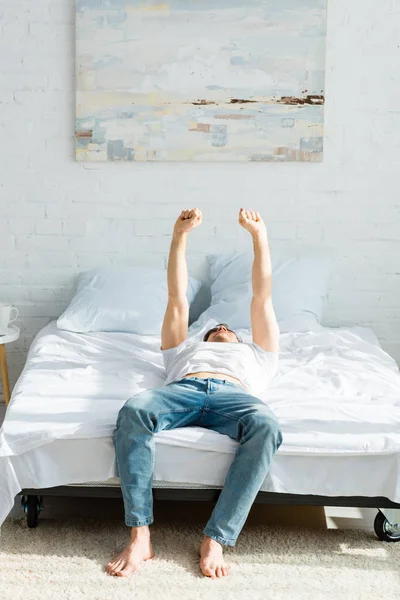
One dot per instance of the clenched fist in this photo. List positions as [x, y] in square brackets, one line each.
[188, 220]
[252, 222]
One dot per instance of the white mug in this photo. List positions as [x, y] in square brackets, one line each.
[5, 317]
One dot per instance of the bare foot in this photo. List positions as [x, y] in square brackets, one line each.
[212, 562]
[128, 561]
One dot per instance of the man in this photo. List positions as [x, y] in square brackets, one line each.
[207, 385]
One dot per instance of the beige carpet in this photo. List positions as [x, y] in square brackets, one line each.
[61, 560]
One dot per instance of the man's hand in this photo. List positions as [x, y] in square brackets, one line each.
[252, 222]
[188, 220]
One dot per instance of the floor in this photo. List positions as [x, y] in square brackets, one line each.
[308, 516]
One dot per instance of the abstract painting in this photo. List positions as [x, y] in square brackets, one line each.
[200, 80]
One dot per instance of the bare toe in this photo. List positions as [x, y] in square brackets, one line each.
[130, 558]
[209, 572]
[124, 573]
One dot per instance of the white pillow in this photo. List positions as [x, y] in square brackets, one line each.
[127, 299]
[299, 288]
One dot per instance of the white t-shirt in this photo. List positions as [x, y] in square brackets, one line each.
[248, 362]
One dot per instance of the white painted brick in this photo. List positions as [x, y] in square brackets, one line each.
[34, 324]
[60, 148]
[51, 32]
[47, 277]
[13, 165]
[106, 211]
[51, 258]
[147, 258]
[356, 230]
[20, 226]
[91, 260]
[147, 210]
[21, 80]
[46, 102]
[61, 12]
[108, 244]
[63, 295]
[153, 227]
[281, 230]
[30, 11]
[8, 277]
[72, 228]
[16, 294]
[11, 112]
[49, 227]
[42, 295]
[310, 231]
[87, 192]
[27, 209]
[13, 29]
[6, 97]
[37, 243]
[40, 192]
[70, 211]
[389, 231]
[7, 239]
[43, 309]
[113, 229]
[10, 63]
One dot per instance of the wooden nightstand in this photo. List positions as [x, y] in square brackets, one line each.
[11, 336]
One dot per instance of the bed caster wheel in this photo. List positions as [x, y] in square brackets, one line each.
[32, 506]
[385, 531]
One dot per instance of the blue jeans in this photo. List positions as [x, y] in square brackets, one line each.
[210, 403]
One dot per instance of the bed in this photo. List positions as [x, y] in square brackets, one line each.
[336, 396]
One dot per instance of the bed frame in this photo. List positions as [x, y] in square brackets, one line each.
[386, 524]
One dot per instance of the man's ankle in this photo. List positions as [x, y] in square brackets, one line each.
[142, 531]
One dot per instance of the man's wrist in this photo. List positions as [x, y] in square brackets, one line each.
[179, 235]
[260, 236]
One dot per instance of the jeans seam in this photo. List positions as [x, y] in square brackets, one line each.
[218, 412]
[220, 536]
[140, 523]
[179, 410]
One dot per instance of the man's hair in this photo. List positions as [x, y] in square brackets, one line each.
[209, 332]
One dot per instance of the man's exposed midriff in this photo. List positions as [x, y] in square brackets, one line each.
[203, 375]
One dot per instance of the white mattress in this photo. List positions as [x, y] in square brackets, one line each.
[336, 396]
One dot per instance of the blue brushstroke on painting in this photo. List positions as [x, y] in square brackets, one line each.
[285, 122]
[314, 144]
[116, 18]
[116, 151]
[107, 61]
[219, 135]
[238, 60]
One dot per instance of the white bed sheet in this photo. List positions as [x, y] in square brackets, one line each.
[336, 395]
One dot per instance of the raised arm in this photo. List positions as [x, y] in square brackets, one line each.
[176, 319]
[263, 320]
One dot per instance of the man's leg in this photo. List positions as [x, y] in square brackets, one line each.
[233, 412]
[168, 407]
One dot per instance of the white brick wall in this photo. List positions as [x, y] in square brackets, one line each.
[59, 217]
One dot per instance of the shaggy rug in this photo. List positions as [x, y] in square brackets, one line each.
[65, 560]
